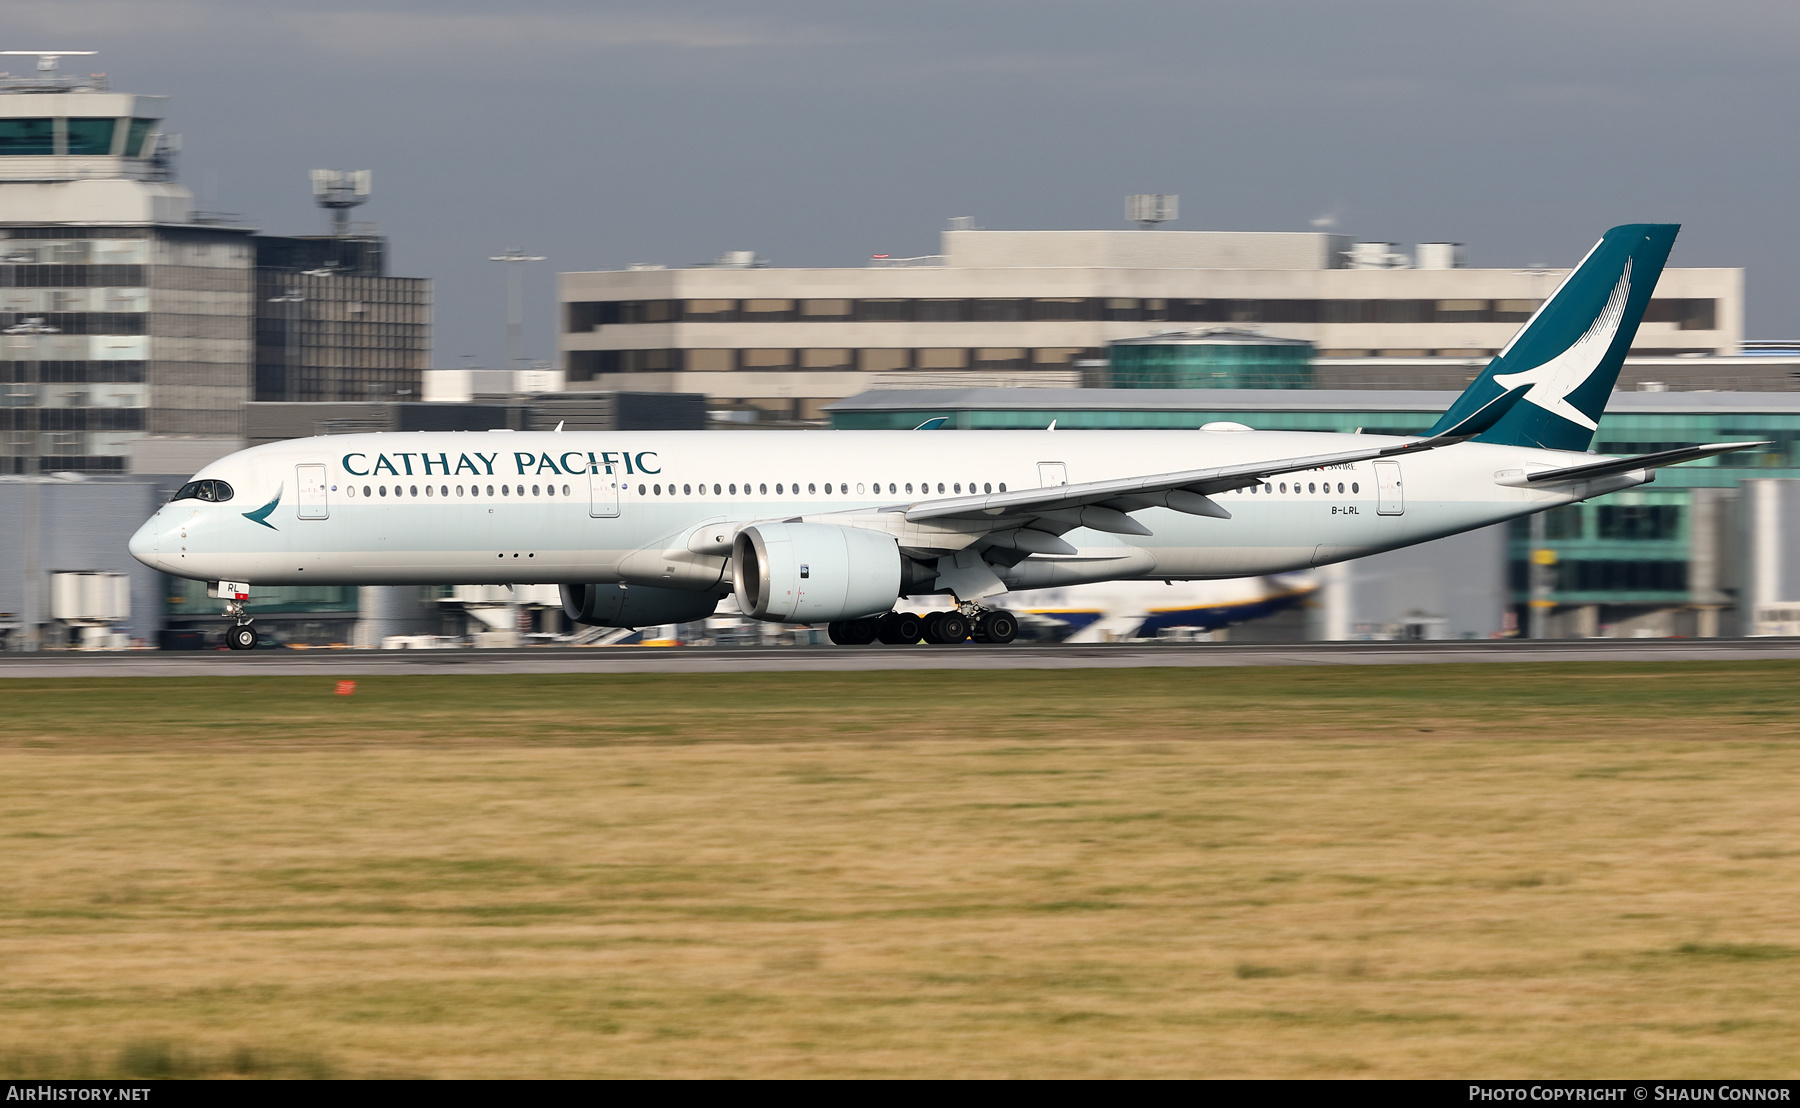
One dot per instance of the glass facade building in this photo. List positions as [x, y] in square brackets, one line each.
[1216, 358]
[331, 325]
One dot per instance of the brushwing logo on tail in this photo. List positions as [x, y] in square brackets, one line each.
[1553, 381]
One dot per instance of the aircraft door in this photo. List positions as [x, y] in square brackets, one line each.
[310, 480]
[1387, 483]
[603, 494]
[1052, 474]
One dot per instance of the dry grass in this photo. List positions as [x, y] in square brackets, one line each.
[1576, 870]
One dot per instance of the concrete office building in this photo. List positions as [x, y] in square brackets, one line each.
[1030, 305]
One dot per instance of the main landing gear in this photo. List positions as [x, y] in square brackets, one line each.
[240, 635]
[938, 628]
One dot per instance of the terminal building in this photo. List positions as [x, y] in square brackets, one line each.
[1030, 307]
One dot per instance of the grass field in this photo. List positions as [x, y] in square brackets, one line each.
[1573, 870]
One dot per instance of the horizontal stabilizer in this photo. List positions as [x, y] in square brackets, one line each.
[1613, 466]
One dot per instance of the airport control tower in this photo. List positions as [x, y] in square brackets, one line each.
[123, 313]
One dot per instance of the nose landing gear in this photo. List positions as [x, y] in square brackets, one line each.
[240, 635]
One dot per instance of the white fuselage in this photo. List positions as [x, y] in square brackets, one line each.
[542, 507]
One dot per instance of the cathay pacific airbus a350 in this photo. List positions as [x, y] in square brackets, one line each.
[643, 528]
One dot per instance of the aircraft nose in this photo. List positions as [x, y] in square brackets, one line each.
[143, 545]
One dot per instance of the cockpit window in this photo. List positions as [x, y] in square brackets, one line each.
[215, 491]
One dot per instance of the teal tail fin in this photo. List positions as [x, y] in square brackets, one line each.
[1566, 358]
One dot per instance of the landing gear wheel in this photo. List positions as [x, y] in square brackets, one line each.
[999, 627]
[242, 637]
[928, 627]
[900, 629]
[952, 627]
[852, 632]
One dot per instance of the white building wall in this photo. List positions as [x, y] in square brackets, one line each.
[1725, 286]
[1144, 249]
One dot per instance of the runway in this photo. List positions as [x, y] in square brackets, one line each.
[874, 658]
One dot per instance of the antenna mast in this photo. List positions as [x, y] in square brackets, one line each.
[515, 299]
[47, 76]
[1151, 208]
[339, 190]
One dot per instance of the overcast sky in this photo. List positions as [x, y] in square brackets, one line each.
[601, 134]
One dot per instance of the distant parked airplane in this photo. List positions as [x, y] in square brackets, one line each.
[1140, 609]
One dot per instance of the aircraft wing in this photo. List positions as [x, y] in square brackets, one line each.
[1103, 504]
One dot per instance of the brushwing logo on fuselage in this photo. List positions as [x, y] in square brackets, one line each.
[261, 515]
[1553, 381]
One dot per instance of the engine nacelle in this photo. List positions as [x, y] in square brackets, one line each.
[810, 572]
[635, 605]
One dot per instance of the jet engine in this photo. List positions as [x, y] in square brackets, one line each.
[636, 605]
[813, 572]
